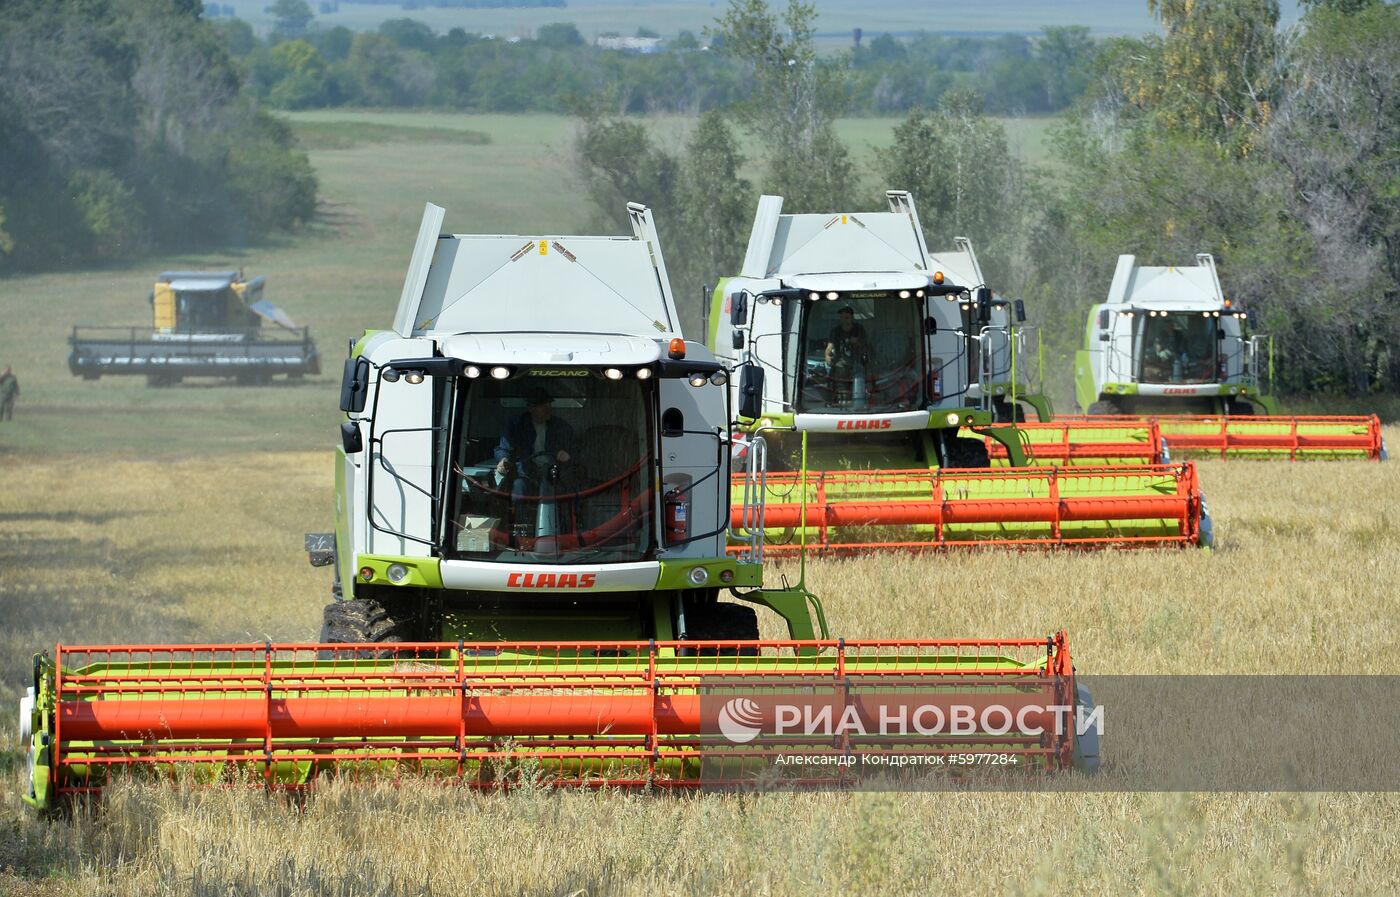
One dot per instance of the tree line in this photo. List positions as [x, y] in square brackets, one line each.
[124, 126]
[1273, 148]
[404, 62]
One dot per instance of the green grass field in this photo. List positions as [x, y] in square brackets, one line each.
[669, 17]
[493, 173]
[133, 514]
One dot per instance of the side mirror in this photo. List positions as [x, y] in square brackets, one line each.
[930, 325]
[984, 305]
[751, 392]
[1220, 333]
[739, 308]
[736, 338]
[1020, 308]
[354, 385]
[350, 438]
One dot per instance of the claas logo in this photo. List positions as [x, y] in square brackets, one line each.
[551, 580]
[883, 423]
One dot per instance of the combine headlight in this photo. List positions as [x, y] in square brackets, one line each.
[643, 373]
[414, 377]
[904, 294]
[500, 373]
[952, 418]
[472, 371]
[397, 573]
[698, 379]
[766, 423]
[612, 373]
[726, 576]
[389, 375]
[813, 296]
[366, 573]
[919, 293]
[833, 296]
[698, 576]
[719, 378]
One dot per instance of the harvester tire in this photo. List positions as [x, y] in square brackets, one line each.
[363, 620]
[1005, 412]
[966, 454]
[721, 621]
[1236, 408]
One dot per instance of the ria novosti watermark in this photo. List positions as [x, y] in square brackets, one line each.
[743, 719]
[1167, 733]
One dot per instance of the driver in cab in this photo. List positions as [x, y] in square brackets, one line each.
[534, 441]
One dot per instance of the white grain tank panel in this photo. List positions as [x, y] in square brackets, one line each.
[870, 241]
[401, 457]
[418, 265]
[694, 456]
[1186, 288]
[582, 284]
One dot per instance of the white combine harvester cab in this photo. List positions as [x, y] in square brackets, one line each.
[1167, 339]
[534, 423]
[859, 327]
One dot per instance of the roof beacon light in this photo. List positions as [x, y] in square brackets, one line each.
[677, 348]
[938, 277]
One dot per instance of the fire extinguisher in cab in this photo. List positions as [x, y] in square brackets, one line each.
[676, 516]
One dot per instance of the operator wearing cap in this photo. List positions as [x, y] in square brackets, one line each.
[536, 439]
[846, 347]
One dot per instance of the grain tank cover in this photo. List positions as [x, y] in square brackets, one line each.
[1189, 287]
[460, 283]
[831, 243]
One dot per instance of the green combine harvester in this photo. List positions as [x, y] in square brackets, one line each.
[1168, 349]
[532, 577]
[892, 373]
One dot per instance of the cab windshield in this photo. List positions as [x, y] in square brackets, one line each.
[859, 355]
[1178, 347]
[552, 468]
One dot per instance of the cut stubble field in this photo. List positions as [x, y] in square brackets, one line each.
[134, 515]
[203, 548]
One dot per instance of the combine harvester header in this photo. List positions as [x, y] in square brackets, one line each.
[898, 367]
[1169, 348]
[589, 714]
[530, 569]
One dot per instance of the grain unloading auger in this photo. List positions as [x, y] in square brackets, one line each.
[1168, 349]
[530, 548]
[892, 372]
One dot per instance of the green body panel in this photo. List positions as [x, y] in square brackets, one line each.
[716, 310]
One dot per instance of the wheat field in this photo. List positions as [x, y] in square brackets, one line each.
[1305, 580]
